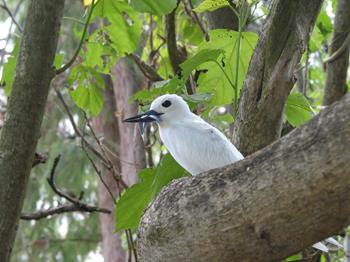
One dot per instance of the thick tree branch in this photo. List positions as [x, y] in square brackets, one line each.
[266, 207]
[338, 62]
[270, 76]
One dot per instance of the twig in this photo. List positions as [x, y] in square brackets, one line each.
[306, 73]
[98, 172]
[117, 177]
[40, 158]
[77, 130]
[74, 205]
[72, 60]
[147, 70]
[10, 29]
[341, 49]
[189, 10]
[68, 208]
[6, 8]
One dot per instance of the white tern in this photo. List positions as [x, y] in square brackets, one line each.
[196, 145]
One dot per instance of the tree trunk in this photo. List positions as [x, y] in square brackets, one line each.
[335, 86]
[263, 208]
[270, 75]
[106, 126]
[126, 81]
[21, 130]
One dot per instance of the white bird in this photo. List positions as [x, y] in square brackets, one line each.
[196, 145]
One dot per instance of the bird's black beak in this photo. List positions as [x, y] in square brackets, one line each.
[144, 119]
[149, 116]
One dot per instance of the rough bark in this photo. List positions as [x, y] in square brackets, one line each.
[270, 75]
[21, 130]
[126, 81]
[336, 72]
[272, 204]
[106, 126]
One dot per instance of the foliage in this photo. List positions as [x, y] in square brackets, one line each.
[132, 203]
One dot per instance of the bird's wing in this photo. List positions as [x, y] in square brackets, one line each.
[199, 147]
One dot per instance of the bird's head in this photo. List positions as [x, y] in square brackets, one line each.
[164, 110]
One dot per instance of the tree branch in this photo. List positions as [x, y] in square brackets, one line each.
[175, 55]
[74, 205]
[147, 70]
[338, 62]
[270, 75]
[74, 57]
[263, 208]
[8, 11]
[26, 106]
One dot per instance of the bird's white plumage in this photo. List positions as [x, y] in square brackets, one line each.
[195, 145]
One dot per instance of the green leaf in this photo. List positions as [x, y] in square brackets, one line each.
[316, 40]
[146, 96]
[226, 118]
[58, 60]
[87, 89]
[132, 203]
[324, 23]
[125, 24]
[210, 5]
[204, 55]
[9, 69]
[213, 80]
[298, 109]
[167, 171]
[155, 7]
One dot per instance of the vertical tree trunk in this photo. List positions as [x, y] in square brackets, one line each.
[126, 81]
[21, 130]
[335, 86]
[106, 126]
[270, 76]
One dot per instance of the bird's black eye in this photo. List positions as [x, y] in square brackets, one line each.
[166, 103]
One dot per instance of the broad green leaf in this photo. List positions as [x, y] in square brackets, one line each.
[204, 55]
[98, 54]
[125, 24]
[132, 203]
[167, 171]
[298, 110]
[58, 60]
[9, 69]
[316, 40]
[146, 96]
[87, 89]
[155, 7]
[210, 5]
[324, 23]
[227, 118]
[214, 79]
